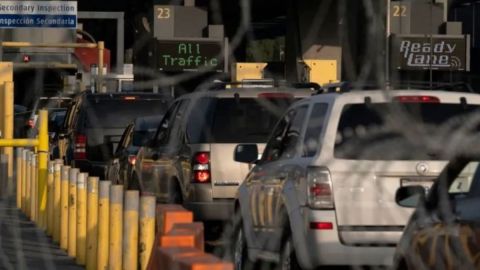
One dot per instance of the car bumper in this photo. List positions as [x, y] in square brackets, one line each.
[324, 247]
[98, 169]
[218, 209]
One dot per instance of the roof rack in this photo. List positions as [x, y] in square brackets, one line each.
[426, 85]
[342, 87]
[262, 83]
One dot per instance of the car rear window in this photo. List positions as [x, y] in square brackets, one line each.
[406, 131]
[235, 120]
[118, 113]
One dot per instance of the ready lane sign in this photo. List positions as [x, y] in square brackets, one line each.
[33, 14]
[437, 52]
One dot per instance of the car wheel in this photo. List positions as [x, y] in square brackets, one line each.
[288, 259]
[239, 251]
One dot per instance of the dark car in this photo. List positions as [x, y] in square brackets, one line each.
[94, 124]
[444, 231]
[137, 134]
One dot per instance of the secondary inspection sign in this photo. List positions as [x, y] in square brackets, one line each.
[57, 14]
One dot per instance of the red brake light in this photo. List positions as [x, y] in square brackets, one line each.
[320, 189]
[321, 225]
[26, 58]
[202, 158]
[79, 151]
[201, 168]
[132, 159]
[275, 95]
[202, 176]
[417, 99]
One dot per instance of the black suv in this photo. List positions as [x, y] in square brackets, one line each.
[94, 124]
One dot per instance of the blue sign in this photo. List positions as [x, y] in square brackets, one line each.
[34, 14]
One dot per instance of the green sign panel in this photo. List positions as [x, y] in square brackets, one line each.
[182, 55]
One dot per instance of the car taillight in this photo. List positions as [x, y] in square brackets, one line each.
[321, 225]
[417, 99]
[132, 159]
[79, 151]
[201, 167]
[319, 188]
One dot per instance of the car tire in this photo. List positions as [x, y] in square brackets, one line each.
[238, 252]
[288, 258]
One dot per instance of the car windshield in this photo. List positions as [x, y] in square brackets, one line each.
[118, 113]
[230, 120]
[366, 130]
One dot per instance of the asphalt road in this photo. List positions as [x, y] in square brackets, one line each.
[24, 246]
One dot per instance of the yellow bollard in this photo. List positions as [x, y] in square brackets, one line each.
[81, 218]
[147, 229]
[64, 208]
[130, 230]
[103, 224]
[57, 179]
[8, 111]
[24, 179]
[42, 173]
[28, 184]
[33, 189]
[116, 227]
[72, 212]
[18, 157]
[92, 222]
[51, 171]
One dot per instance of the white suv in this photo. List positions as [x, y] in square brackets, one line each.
[323, 192]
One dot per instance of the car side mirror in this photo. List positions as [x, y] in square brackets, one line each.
[409, 196]
[246, 153]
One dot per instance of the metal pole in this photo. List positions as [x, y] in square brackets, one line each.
[92, 222]
[50, 199]
[81, 218]
[8, 129]
[64, 208]
[33, 189]
[130, 230]
[147, 229]
[28, 177]
[24, 179]
[116, 227]
[103, 224]
[19, 177]
[101, 47]
[3, 174]
[72, 212]
[43, 155]
[56, 199]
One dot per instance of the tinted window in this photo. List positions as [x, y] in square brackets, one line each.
[407, 131]
[284, 140]
[145, 128]
[230, 120]
[311, 141]
[117, 113]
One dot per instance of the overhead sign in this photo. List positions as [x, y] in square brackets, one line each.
[190, 55]
[57, 14]
[438, 52]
